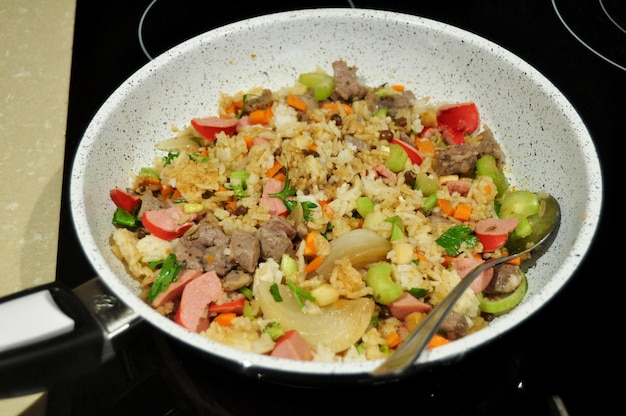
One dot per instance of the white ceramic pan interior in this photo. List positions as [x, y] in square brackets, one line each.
[545, 142]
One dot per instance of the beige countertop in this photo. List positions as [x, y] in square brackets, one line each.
[36, 50]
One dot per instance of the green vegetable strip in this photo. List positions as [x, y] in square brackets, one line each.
[275, 293]
[300, 293]
[506, 303]
[167, 275]
[454, 237]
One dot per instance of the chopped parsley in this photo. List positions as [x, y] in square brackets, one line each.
[456, 236]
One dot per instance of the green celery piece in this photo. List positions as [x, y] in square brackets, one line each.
[397, 158]
[385, 290]
[364, 206]
[486, 166]
[505, 303]
[426, 184]
[322, 84]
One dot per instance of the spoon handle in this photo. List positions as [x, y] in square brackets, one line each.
[413, 346]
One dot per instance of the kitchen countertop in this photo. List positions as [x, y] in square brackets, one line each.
[36, 45]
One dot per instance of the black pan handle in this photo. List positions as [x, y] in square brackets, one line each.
[50, 335]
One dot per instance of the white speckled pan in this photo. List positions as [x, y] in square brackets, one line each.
[544, 139]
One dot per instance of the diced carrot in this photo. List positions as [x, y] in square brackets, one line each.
[296, 102]
[221, 188]
[231, 206]
[516, 261]
[313, 147]
[487, 189]
[334, 107]
[309, 243]
[313, 264]
[271, 172]
[447, 260]
[445, 207]
[204, 152]
[176, 195]
[393, 339]
[421, 256]
[462, 212]
[225, 319]
[424, 145]
[397, 87]
[437, 341]
[261, 116]
[326, 209]
[280, 177]
[249, 141]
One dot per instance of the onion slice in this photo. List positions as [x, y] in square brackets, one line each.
[338, 326]
[360, 246]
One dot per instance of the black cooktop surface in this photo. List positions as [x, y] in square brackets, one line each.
[559, 354]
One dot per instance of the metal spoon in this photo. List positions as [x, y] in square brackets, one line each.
[545, 226]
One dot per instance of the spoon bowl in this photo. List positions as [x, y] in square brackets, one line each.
[545, 226]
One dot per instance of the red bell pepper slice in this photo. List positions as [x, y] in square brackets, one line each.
[208, 127]
[125, 200]
[410, 150]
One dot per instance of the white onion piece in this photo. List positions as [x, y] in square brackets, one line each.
[177, 144]
[337, 327]
[360, 246]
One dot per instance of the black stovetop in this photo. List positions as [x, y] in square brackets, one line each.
[559, 352]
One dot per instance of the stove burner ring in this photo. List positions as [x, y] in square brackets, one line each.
[610, 32]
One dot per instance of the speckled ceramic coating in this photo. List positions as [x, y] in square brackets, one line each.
[544, 140]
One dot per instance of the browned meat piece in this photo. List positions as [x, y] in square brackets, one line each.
[258, 102]
[236, 279]
[347, 87]
[506, 278]
[489, 146]
[245, 250]
[150, 202]
[274, 243]
[210, 234]
[359, 144]
[189, 252]
[392, 102]
[460, 159]
[282, 224]
[455, 326]
[216, 259]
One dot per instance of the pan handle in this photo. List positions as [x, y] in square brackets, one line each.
[50, 335]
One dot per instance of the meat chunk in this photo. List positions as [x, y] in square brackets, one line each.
[189, 252]
[454, 325]
[236, 279]
[452, 160]
[218, 259]
[347, 87]
[407, 304]
[392, 102]
[276, 238]
[209, 234]
[461, 159]
[292, 345]
[245, 250]
[506, 278]
[258, 102]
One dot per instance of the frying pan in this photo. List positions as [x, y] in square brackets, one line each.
[545, 143]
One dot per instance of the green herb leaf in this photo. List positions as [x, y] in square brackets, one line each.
[167, 275]
[300, 293]
[307, 206]
[275, 293]
[418, 292]
[454, 237]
